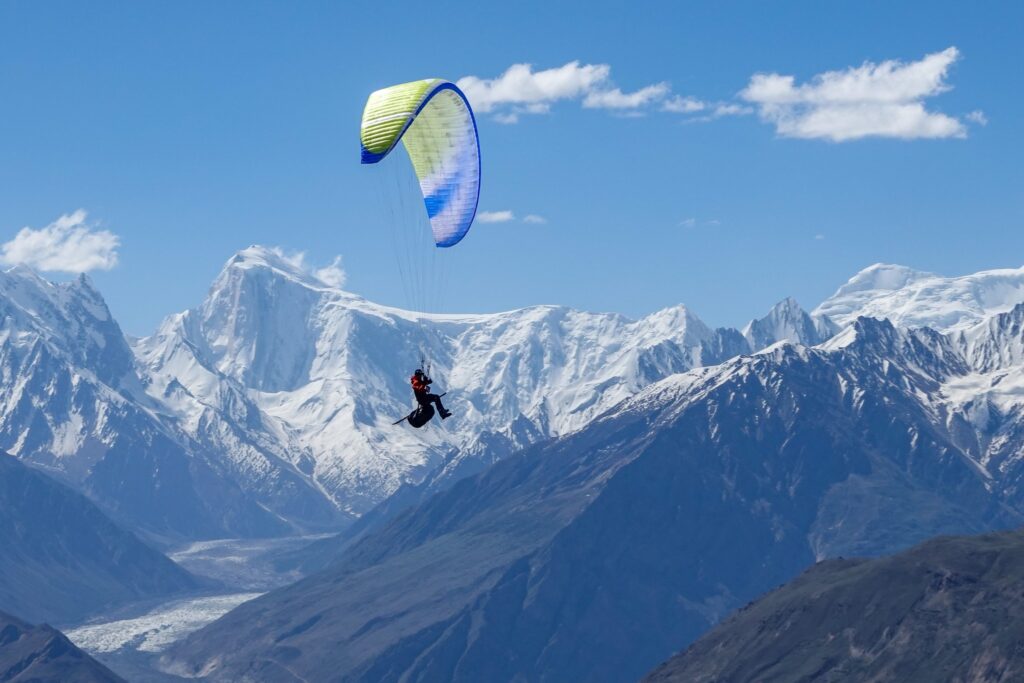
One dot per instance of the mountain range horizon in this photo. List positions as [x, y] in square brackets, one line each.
[886, 415]
[288, 384]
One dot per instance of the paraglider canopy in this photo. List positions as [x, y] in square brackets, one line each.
[434, 121]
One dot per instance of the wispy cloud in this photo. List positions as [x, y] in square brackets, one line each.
[616, 99]
[495, 216]
[871, 100]
[70, 245]
[507, 216]
[725, 109]
[332, 274]
[683, 105]
[977, 116]
[694, 222]
[507, 118]
[521, 90]
[703, 111]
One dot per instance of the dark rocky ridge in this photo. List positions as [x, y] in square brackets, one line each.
[41, 654]
[61, 559]
[950, 609]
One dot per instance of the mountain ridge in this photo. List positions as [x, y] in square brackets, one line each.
[62, 559]
[947, 609]
[594, 555]
[41, 654]
[276, 394]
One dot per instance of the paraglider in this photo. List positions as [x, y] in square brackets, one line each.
[433, 120]
[425, 400]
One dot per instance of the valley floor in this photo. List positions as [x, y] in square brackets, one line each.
[131, 640]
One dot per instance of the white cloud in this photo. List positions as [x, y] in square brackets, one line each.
[872, 100]
[509, 118]
[694, 222]
[819, 236]
[295, 259]
[520, 84]
[332, 274]
[616, 99]
[495, 216]
[70, 244]
[725, 109]
[977, 116]
[537, 108]
[709, 111]
[521, 90]
[535, 219]
[684, 105]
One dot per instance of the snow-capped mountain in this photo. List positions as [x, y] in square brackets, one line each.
[595, 555]
[268, 407]
[912, 298]
[316, 375]
[73, 402]
[788, 322]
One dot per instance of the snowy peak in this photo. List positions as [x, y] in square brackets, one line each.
[880, 343]
[912, 298]
[997, 342]
[71, 319]
[882, 277]
[293, 267]
[787, 321]
[677, 323]
[320, 374]
[258, 323]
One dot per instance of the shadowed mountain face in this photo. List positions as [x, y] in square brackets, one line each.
[950, 609]
[40, 654]
[594, 556]
[61, 559]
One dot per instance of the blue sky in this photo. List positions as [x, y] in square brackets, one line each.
[191, 130]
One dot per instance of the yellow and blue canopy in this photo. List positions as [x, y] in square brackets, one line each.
[434, 121]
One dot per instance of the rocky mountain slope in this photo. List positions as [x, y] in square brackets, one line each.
[950, 609]
[41, 654]
[594, 556]
[61, 559]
